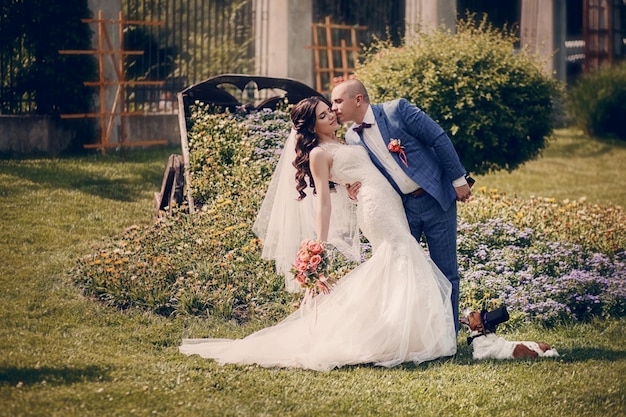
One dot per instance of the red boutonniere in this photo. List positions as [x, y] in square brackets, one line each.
[395, 147]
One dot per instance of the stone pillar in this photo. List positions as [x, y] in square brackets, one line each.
[429, 14]
[283, 35]
[110, 10]
[543, 31]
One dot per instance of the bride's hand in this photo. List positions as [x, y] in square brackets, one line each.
[353, 190]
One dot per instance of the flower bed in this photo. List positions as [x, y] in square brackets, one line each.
[546, 260]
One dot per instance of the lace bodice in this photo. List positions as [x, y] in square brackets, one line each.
[380, 211]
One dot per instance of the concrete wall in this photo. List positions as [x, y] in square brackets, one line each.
[429, 14]
[154, 126]
[32, 134]
[543, 31]
[283, 35]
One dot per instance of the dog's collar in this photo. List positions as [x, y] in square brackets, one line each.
[470, 339]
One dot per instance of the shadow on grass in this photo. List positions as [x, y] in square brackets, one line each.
[88, 176]
[57, 376]
[587, 354]
[464, 358]
[581, 146]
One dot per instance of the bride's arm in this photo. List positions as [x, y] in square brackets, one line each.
[320, 162]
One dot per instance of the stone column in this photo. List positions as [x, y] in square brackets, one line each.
[543, 31]
[283, 34]
[429, 14]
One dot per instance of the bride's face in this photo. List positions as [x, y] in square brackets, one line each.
[325, 120]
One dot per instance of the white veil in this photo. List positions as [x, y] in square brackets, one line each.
[283, 221]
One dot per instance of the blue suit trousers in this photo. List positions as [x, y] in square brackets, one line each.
[426, 217]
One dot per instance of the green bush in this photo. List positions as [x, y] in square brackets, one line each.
[495, 102]
[597, 102]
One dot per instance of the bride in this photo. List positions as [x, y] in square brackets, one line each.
[393, 308]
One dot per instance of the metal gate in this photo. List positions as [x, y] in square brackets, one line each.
[197, 39]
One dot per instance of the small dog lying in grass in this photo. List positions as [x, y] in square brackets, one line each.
[486, 345]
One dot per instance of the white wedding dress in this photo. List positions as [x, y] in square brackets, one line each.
[393, 308]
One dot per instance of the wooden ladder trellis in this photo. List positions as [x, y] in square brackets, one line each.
[332, 41]
[118, 108]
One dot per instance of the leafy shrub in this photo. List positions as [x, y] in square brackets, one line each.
[494, 101]
[597, 102]
[546, 260]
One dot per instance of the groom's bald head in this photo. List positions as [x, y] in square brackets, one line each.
[355, 87]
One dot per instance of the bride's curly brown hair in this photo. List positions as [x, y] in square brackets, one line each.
[303, 117]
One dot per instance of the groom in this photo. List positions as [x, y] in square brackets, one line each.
[419, 160]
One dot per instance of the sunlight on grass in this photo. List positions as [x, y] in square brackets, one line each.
[572, 167]
[62, 354]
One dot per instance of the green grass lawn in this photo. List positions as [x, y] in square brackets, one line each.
[64, 355]
[572, 167]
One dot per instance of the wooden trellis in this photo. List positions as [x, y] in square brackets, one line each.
[335, 50]
[106, 50]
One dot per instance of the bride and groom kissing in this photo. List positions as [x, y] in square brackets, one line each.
[402, 179]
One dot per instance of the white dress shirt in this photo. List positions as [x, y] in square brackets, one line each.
[374, 141]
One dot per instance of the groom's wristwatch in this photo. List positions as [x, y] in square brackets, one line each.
[470, 181]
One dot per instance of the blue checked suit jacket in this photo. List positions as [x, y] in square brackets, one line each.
[432, 159]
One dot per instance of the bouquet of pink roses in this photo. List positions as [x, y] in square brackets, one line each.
[312, 267]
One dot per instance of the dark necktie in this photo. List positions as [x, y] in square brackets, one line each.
[359, 128]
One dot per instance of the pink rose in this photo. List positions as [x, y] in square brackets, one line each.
[315, 247]
[315, 260]
[303, 256]
[301, 279]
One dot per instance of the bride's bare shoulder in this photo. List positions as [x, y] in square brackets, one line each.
[320, 153]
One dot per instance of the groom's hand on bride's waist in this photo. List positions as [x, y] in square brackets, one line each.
[353, 190]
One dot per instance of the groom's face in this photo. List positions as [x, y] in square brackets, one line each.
[344, 106]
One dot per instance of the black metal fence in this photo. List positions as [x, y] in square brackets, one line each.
[384, 19]
[195, 40]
